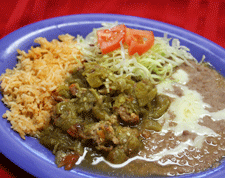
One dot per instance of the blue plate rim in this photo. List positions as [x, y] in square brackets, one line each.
[8, 143]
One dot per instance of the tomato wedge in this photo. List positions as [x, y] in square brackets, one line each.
[139, 41]
[109, 39]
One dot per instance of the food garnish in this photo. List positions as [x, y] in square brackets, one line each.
[139, 41]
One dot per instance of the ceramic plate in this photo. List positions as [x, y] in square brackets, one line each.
[29, 154]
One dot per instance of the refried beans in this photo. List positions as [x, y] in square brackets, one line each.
[193, 136]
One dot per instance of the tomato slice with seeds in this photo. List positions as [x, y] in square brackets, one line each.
[109, 39]
[139, 41]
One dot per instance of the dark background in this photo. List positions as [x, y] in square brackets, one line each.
[204, 17]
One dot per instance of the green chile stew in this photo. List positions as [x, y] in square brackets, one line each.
[110, 115]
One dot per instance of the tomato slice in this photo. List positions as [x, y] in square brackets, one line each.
[129, 36]
[109, 39]
[139, 41]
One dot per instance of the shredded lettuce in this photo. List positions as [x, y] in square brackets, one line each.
[156, 64]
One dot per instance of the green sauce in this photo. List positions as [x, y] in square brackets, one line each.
[108, 113]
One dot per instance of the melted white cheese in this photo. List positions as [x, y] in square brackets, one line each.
[219, 115]
[149, 158]
[181, 77]
[188, 109]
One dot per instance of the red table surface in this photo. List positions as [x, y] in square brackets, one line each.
[204, 17]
